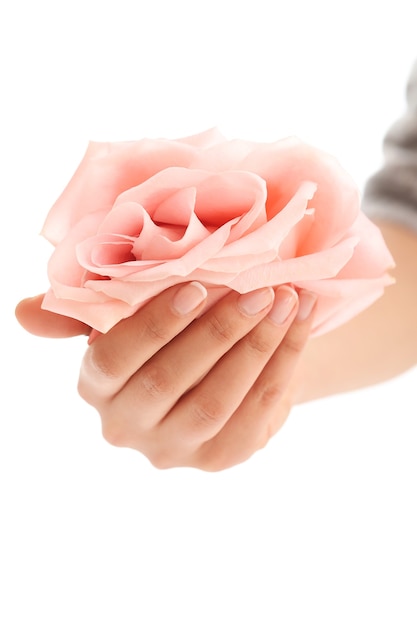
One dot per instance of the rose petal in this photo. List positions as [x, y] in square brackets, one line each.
[89, 255]
[319, 265]
[284, 165]
[97, 182]
[98, 313]
[63, 267]
[371, 252]
[264, 244]
[332, 311]
[137, 294]
[204, 140]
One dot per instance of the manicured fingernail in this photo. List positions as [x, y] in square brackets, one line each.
[188, 298]
[307, 301]
[285, 301]
[254, 302]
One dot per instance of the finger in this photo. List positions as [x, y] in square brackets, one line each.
[268, 403]
[202, 413]
[113, 358]
[43, 323]
[158, 385]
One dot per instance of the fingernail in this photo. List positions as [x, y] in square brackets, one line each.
[254, 302]
[307, 301]
[188, 298]
[284, 303]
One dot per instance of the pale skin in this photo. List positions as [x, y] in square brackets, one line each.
[209, 391]
[378, 344]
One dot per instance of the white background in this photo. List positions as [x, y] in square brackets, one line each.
[320, 527]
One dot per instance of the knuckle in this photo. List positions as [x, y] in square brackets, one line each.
[207, 412]
[164, 455]
[114, 434]
[156, 330]
[273, 425]
[161, 460]
[86, 386]
[269, 394]
[218, 458]
[292, 345]
[215, 464]
[258, 344]
[221, 330]
[102, 361]
[263, 440]
[83, 390]
[156, 381]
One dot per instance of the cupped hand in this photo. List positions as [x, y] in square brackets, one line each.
[205, 392]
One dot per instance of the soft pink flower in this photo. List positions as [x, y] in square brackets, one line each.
[138, 217]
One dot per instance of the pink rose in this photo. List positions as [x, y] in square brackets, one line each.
[138, 217]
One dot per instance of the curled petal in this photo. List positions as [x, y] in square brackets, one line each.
[316, 266]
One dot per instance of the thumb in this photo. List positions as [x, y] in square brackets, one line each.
[46, 324]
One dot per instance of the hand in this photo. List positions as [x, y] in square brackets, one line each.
[204, 392]
[46, 324]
